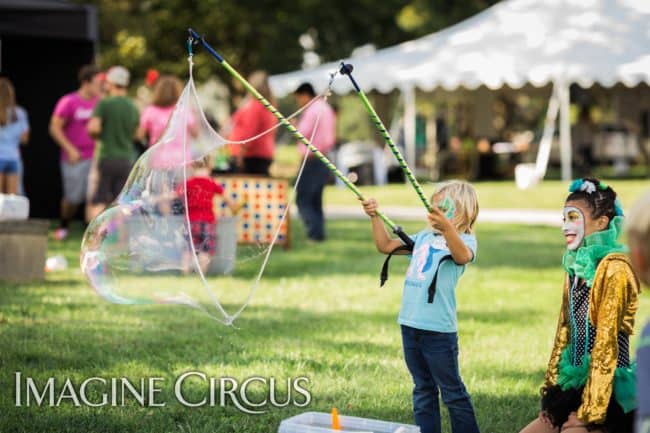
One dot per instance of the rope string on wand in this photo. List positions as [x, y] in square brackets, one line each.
[196, 38]
[346, 69]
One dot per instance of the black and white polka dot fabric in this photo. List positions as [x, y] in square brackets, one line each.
[580, 302]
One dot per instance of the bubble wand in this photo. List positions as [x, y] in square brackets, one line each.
[195, 38]
[346, 69]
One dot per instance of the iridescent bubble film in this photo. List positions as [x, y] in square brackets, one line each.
[143, 249]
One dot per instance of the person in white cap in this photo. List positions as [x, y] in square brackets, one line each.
[114, 124]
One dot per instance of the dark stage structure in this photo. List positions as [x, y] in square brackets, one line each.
[42, 46]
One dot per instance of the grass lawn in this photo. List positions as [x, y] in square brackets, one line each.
[318, 313]
[492, 195]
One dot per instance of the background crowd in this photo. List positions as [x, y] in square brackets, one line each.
[101, 131]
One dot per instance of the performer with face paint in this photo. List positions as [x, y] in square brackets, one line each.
[573, 227]
[590, 380]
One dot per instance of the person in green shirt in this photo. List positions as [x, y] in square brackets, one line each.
[114, 123]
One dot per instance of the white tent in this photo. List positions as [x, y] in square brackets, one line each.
[512, 43]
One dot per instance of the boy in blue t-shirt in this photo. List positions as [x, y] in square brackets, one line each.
[638, 233]
[428, 312]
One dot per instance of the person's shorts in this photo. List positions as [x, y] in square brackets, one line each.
[75, 180]
[204, 237]
[8, 166]
[112, 175]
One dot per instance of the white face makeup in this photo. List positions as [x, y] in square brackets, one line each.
[573, 227]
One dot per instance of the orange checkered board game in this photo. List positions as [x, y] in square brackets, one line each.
[264, 201]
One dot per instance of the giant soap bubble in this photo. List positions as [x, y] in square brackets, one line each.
[145, 249]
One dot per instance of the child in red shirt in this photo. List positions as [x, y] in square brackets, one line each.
[201, 190]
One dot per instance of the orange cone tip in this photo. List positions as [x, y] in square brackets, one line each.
[336, 424]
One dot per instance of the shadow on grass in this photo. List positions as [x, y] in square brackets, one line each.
[294, 341]
[73, 335]
[513, 317]
[101, 347]
[149, 334]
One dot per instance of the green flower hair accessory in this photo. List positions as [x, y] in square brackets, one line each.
[575, 185]
[584, 261]
[584, 185]
[602, 186]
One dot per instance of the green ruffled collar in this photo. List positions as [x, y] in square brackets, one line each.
[584, 261]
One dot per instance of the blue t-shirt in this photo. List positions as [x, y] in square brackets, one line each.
[643, 376]
[10, 136]
[440, 315]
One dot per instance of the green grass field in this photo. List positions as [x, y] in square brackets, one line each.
[550, 194]
[319, 312]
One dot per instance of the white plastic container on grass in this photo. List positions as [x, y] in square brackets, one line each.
[13, 207]
[319, 422]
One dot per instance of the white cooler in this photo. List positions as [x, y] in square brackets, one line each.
[13, 207]
[320, 422]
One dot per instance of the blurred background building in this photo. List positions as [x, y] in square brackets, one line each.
[42, 46]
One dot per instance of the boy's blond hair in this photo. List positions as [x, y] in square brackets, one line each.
[465, 200]
[637, 223]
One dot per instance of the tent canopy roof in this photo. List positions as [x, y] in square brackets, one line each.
[512, 43]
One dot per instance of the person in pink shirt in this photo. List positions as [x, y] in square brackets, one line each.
[154, 121]
[154, 118]
[68, 129]
[251, 119]
[309, 193]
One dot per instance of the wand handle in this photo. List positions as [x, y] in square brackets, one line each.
[346, 69]
[283, 120]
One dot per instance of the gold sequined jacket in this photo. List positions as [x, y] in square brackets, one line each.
[612, 305]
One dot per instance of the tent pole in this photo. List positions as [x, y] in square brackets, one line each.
[545, 143]
[565, 129]
[409, 125]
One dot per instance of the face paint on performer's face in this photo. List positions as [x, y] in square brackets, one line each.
[573, 227]
[446, 206]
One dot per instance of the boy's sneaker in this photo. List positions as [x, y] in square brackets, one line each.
[60, 234]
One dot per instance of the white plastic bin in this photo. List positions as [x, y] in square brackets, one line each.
[13, 207]
[319, 422]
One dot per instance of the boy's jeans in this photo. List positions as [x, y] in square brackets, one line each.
[432, 359]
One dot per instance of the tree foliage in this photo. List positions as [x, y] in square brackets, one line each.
[260, 34]
[421, 17]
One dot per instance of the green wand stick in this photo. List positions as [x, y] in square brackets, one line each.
[346, 69]
[194, 37]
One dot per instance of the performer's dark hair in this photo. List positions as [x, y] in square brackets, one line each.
[601, 202]
[557, 405]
